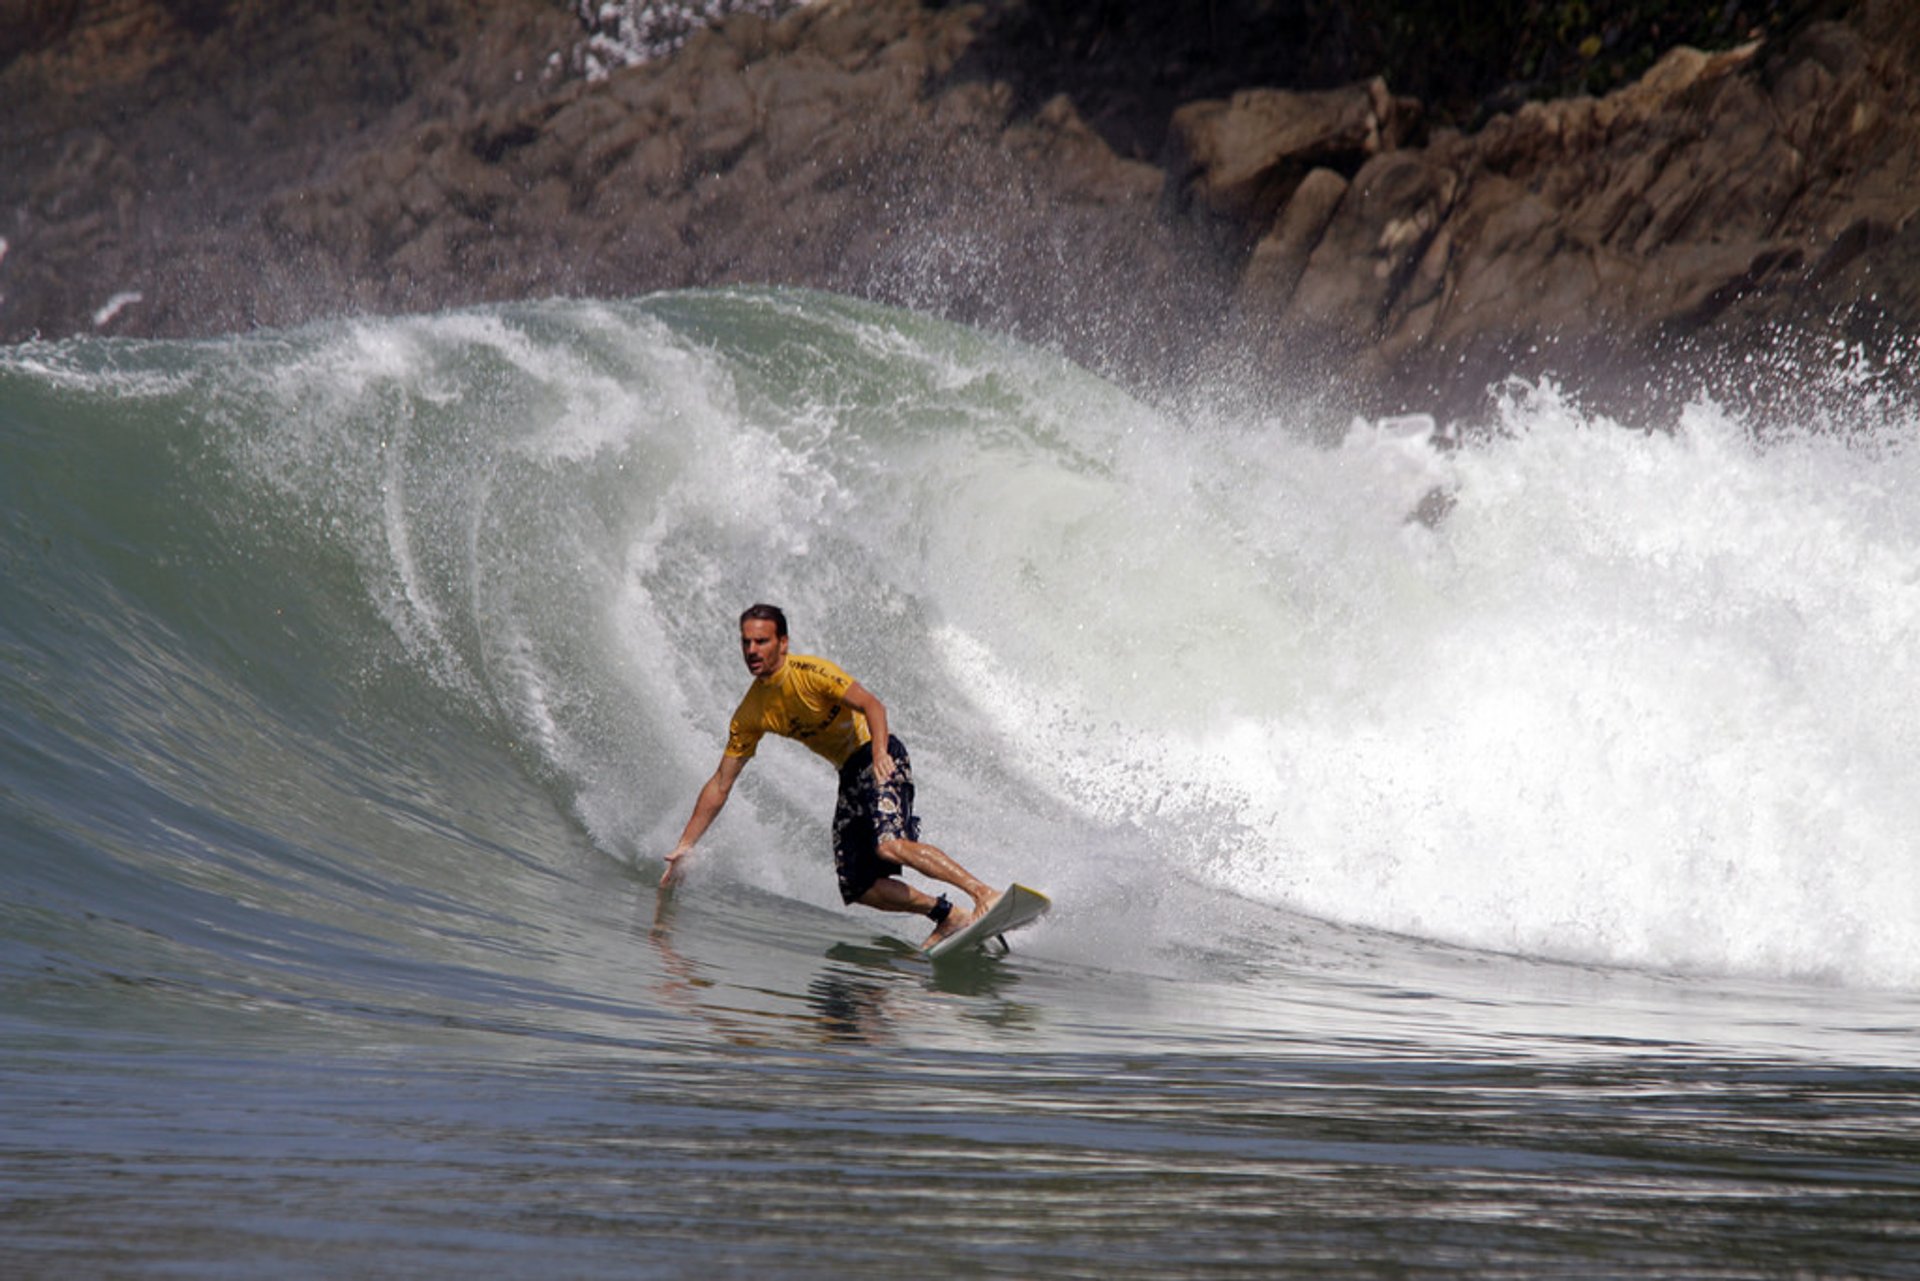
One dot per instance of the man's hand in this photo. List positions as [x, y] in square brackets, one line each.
[675, 867]
[882, 763]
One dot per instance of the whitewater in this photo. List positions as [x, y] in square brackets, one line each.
[1481, 847]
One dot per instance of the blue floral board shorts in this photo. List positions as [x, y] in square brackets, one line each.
[868, 813]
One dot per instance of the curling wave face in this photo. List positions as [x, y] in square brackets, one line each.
[1642, 700]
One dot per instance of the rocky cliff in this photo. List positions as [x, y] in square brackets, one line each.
[206, 165]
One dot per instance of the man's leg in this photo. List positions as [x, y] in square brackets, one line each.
[891, 894]
[868, 811]
[935, 864]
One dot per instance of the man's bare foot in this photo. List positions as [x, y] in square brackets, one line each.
[956, 921]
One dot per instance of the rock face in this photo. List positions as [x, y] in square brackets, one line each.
[1723, 202]
[143, 140]
[234, 168]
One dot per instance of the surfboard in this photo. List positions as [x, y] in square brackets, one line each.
[1018, 906]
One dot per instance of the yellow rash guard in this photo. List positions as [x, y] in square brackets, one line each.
[803, 702]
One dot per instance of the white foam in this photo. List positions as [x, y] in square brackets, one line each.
[1642, 699]
[110, 310]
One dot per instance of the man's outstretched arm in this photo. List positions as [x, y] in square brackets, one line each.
[706, 808]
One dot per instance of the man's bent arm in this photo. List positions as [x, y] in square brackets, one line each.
[706, 808]
[862, 700]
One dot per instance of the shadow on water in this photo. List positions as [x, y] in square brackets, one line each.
[751, 979]
[971, 974]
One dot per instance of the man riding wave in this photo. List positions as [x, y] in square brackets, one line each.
[875, 832]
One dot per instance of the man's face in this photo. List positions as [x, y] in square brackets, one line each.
[762, 647]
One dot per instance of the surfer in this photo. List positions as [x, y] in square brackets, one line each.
[875, 832]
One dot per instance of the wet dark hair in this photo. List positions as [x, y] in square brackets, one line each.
[766, 614]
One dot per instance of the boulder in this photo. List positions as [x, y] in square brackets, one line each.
[1236, 162]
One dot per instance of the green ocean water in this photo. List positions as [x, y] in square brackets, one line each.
[1530, 894]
